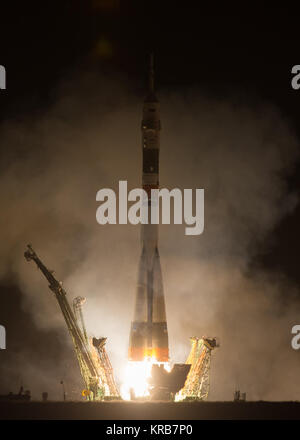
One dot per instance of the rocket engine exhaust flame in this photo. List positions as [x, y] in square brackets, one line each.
[137, 376]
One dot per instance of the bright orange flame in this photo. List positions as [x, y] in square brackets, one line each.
[136, 378]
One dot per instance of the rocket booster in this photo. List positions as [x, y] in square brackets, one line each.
[149, 334]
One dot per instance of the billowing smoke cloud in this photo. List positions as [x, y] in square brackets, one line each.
[90, 139]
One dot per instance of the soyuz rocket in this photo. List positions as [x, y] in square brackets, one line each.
[149, 333]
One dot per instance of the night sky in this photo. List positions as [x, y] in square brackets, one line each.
[246, 54]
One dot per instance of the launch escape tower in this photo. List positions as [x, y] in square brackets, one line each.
[95, 370]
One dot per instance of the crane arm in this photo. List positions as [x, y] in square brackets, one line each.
[87, 367]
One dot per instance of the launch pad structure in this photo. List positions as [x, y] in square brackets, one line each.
[149, 332]
[92, 358]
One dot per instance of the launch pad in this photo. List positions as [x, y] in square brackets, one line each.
[120, 410]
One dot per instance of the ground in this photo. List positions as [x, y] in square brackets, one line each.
[150, 410]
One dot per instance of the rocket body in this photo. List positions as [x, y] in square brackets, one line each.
[149, 334]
